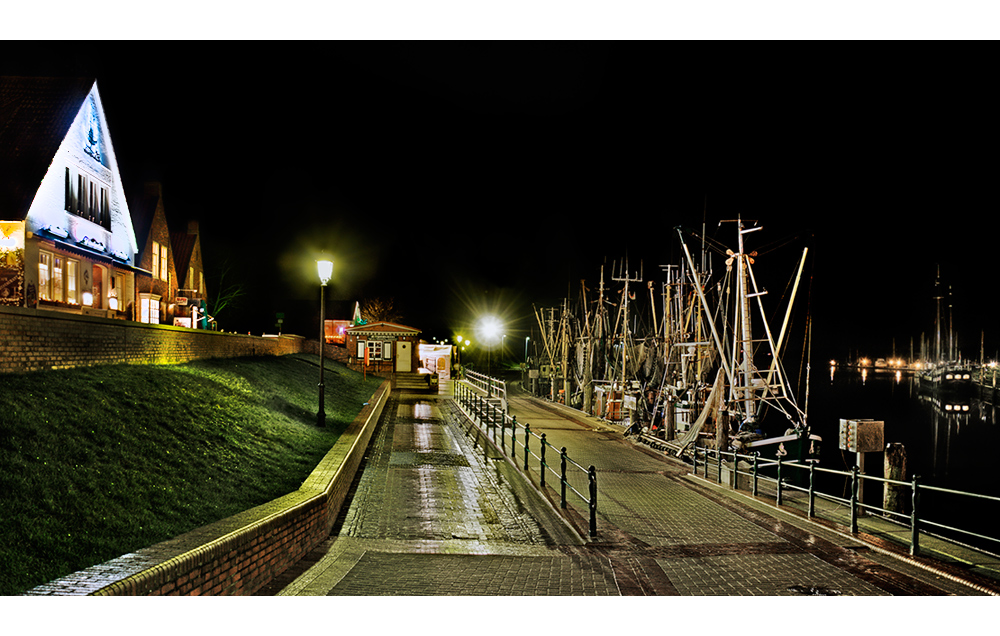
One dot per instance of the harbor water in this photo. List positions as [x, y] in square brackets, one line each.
[950, 442]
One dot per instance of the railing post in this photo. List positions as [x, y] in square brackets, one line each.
[915, 521]
[718, 466]
[756, 455]
[542, 470]
[527, 436]
[513, 439]
[778, 495]
[812, 490]
[562, 466]
[694, 457]
[854, 500]
[592, 472]
[503, 431]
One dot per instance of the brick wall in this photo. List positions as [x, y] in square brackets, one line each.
[241, 554]
[37, 339]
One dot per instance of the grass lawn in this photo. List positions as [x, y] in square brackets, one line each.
[101, 461]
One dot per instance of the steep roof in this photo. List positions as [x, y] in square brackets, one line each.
[35, 116]
[183, 246]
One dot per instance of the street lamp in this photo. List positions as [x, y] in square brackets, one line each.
[325, 270]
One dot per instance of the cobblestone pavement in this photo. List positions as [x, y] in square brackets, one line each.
[431, 513]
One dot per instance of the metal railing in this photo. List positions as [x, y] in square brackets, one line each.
[508, 435]
[914, 520]
[492, 386]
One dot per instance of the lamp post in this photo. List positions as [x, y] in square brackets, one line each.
[325, 270]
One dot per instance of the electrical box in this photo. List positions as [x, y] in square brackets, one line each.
[862, 436]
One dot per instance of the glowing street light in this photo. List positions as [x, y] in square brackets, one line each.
[325, 270]
[490, 329]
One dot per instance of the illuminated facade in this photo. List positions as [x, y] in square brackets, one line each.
[384, 347]
[66, 236]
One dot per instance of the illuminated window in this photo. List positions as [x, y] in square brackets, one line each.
[156, 259]
[45, 276]
[163, 262]
[72, 274]
[58, 278]
[374, 349]
[149, 308]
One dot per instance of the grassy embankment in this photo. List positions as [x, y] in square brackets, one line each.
[101, 461]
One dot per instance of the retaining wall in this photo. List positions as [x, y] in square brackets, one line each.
[38, 339]
[241, 554]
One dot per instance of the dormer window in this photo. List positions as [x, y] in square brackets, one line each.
[88, 197]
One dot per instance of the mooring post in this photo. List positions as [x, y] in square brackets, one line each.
[895, 469]
[854, 499]
[915, 521]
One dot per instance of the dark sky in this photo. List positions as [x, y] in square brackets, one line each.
[457, 178]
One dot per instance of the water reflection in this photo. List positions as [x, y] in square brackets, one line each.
[946, 436]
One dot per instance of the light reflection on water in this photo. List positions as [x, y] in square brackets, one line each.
[950, 442]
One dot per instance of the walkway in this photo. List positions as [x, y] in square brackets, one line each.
[431, 513]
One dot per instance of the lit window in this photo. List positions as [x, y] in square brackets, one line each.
[149, 308]
[163, 262]
[72, 273]
[45, 276]
[156, 260]
[57, 278]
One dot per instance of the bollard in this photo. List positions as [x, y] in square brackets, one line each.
[854, 499]
[592, 473]
[562, 462]
[915, 521]
[542, 469]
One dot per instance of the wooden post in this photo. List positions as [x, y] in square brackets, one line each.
[894, 497]
[722, 431]
[670, 420]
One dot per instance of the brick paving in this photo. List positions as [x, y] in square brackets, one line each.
[432, 514]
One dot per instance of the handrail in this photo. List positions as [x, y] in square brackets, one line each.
[491, 421]
[916, 520]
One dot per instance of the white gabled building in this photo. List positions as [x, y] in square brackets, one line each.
[66, 236]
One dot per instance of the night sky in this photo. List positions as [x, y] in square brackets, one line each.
[460, 178]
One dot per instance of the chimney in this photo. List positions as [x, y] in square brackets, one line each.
[193, 227]
[153, 188]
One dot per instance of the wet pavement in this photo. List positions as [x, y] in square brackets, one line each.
[432, 513]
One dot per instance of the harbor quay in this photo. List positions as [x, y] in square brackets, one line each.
[437, 511]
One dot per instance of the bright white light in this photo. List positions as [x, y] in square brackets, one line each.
[325, 269]
[490, 329]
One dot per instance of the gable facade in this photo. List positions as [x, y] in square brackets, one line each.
[384, 347]
[69, 243]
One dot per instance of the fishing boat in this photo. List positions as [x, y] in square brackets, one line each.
[699, 366]
[748, 404]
